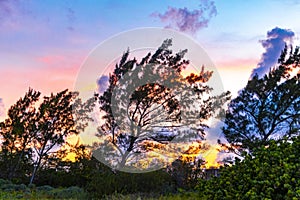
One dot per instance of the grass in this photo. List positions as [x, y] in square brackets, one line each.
[40, 196]
[9, 190]
[14, 191]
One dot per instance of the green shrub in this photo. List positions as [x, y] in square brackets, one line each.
[4, 182]
[270, 173]
[44, 188]
[73, 192]
[109, 183]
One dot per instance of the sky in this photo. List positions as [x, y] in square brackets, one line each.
[44, 43]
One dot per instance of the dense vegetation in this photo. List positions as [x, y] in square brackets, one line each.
[272, 172]
[261, 127]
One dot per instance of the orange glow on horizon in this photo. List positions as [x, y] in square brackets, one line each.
[73, 140]
[208, 152]
[211, 157]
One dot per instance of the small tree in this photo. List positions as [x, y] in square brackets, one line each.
[268, 108]
[150, 103]
[33, 132]
[58, 117]
[17, 134]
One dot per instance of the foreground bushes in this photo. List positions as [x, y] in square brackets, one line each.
[272, 172]
[9, 190]
[156, 183]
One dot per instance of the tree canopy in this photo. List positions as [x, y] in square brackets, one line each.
[149, 105]
[36, 130]
[268, 108]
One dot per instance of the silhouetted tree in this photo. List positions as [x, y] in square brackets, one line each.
[33, 133]
[59, 116]
[268, 108]
[150, 103]
[16, 135]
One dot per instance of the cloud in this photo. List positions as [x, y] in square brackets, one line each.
[2, 108]
[51, 59]
[9, 11]
[15, 14]
[8, 8]
[12, 12]
[189, 21]
[274, 44]
[214, 132]
[102, 83]
[70, 14]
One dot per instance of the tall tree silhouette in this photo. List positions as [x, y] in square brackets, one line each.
[268, 108]
[149, 104]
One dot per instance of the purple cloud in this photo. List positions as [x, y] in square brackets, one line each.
[7, 8]
[102, 83]
[274, 44]
[189, 21]
[11, 10]
[71, 18]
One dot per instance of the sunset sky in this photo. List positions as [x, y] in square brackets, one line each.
[44, 43]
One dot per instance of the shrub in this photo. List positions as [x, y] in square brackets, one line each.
[73, 192]
[44, 188]
[271, 173]
[4, 182]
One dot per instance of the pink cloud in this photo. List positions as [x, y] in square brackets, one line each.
[47, 74]
[234, 63]
[52, 59]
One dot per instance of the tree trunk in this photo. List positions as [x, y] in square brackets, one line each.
[123, 161]
[34, 171]
[129, 149]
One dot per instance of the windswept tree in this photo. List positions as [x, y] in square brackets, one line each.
[34, 132]
[59, 116]
[149, 106]
[16, 135]
[268, 108]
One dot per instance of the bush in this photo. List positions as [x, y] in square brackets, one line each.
[44, 188]
[73, 192]
[8, 190]
[271, 173]
[4, 182]
[108, 183]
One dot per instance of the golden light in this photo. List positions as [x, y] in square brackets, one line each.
[211, 157]
[164, 152]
